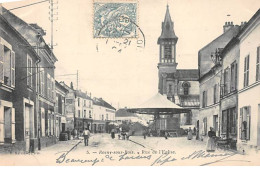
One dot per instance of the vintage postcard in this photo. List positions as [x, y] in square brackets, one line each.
[130, 83]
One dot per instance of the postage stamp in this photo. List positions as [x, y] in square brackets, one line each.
[115, 19]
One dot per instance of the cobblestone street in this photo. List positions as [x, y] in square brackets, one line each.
[104, 150]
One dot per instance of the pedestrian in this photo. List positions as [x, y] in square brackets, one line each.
[86, 135]
[166, 135]
[75, 133]
[211, 146]
[113, 133]
[144, 134]
[189, 137]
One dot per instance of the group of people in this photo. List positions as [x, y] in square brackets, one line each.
[211, 142]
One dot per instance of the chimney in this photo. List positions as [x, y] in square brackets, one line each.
[242, 24]
[71, 85]
[227, 26]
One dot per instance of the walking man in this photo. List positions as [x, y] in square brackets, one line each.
[86, 134]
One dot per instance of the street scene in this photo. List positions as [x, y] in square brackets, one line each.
[101, 83]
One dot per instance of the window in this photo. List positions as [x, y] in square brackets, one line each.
[215, 123]
[84, 102]
[42, 78]
[57, 105]
[232, 121]
[204, 99]
[49, 86]
[29, 71]
[43, 121]
[204, 130]
[224, 121]
[188, 118]
[258, 64]
[85, 114]
[170, 89]
[186, 86]
[226, 81]
[78, 113]
[78, 102]
[244, 123]
[90, 114]
[102, 117]
[229, 122]
[168, 51]
[106, 116]
[53, 88]
[246, 71]
[233, 76]
[215, 94]
[89, 103]
[7, 66]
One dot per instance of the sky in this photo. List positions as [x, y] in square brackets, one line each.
[129, 78]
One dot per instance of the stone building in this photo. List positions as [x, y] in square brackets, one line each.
[181, 86]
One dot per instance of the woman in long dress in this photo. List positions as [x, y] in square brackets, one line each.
[189, 137]
[211, 145]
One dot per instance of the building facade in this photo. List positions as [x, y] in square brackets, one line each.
[83, 111]
[60, 121]
[181, 86]
[228, 93]
[17, 99]
[249, 86]
[103, 114]
[210, 79]
[39, 109]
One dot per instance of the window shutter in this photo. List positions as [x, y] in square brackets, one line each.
[235, 83]
[240, 123]
[12, 69]
[248, 122]
[13, 125]
[248, 70]
[1, 63]
[1, 124]
[245, 71]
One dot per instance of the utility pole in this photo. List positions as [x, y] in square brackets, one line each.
[77, 80]
[53, 17]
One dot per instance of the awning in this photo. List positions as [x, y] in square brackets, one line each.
[159, 104]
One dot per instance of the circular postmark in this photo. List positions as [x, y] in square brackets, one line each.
[121, 43]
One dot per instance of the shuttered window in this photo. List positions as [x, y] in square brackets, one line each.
[12, 69]
[204, 99]
[42, 78]
[1, 63]
[258, 64]
[29, 71]
[233, 76]
[246, 71]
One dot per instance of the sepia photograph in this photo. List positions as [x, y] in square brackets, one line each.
[129, 83]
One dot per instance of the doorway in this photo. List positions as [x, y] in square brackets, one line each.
[29, 125]
[7, 125]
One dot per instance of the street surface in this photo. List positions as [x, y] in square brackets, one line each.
[103, 150]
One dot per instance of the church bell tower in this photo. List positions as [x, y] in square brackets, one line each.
[167, 59]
